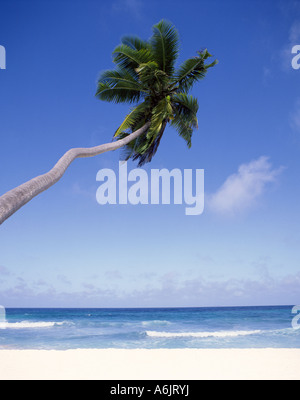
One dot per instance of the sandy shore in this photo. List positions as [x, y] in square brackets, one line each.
[185, 364]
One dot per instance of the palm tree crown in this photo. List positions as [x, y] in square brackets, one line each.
[145, 76]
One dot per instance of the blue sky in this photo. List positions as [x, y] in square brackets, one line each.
[65, 250]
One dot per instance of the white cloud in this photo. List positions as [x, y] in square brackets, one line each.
[241, 190]
[267, 284]
[196, 292]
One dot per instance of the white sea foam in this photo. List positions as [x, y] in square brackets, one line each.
[156, 322]
[28, 325]
[221, 334]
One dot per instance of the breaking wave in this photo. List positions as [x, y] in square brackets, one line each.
[28, 325]
[156, 322]
[221, 334]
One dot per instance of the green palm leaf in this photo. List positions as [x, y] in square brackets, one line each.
[118, 94]
[136, 43]
[185, 116]
[192, 70]
[133, 119]
[162, 112]
[119, 86]
[186, 106]
[117, 76]
[154, 79]
[165, 44]
[183, 129]
[129, 59]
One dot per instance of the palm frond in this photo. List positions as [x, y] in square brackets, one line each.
[118, 94]
[135, 43]
[183, 128]
[153, 78]
[119, 86]
[165, 45]
[185, 116]
[134, 118]
[186, 106]
[145, 150]
[129, 59]
[118, 75]
[146, 147]
[163, 111]
[192, 70]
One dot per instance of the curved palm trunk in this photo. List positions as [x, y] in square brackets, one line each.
[13, 200]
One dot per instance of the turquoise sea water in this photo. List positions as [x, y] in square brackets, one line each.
[232, 327]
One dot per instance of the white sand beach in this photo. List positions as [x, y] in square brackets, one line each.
[181, 364]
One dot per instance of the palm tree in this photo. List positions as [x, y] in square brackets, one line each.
[145, 76]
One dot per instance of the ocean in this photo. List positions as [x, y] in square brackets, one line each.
[150, 328]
